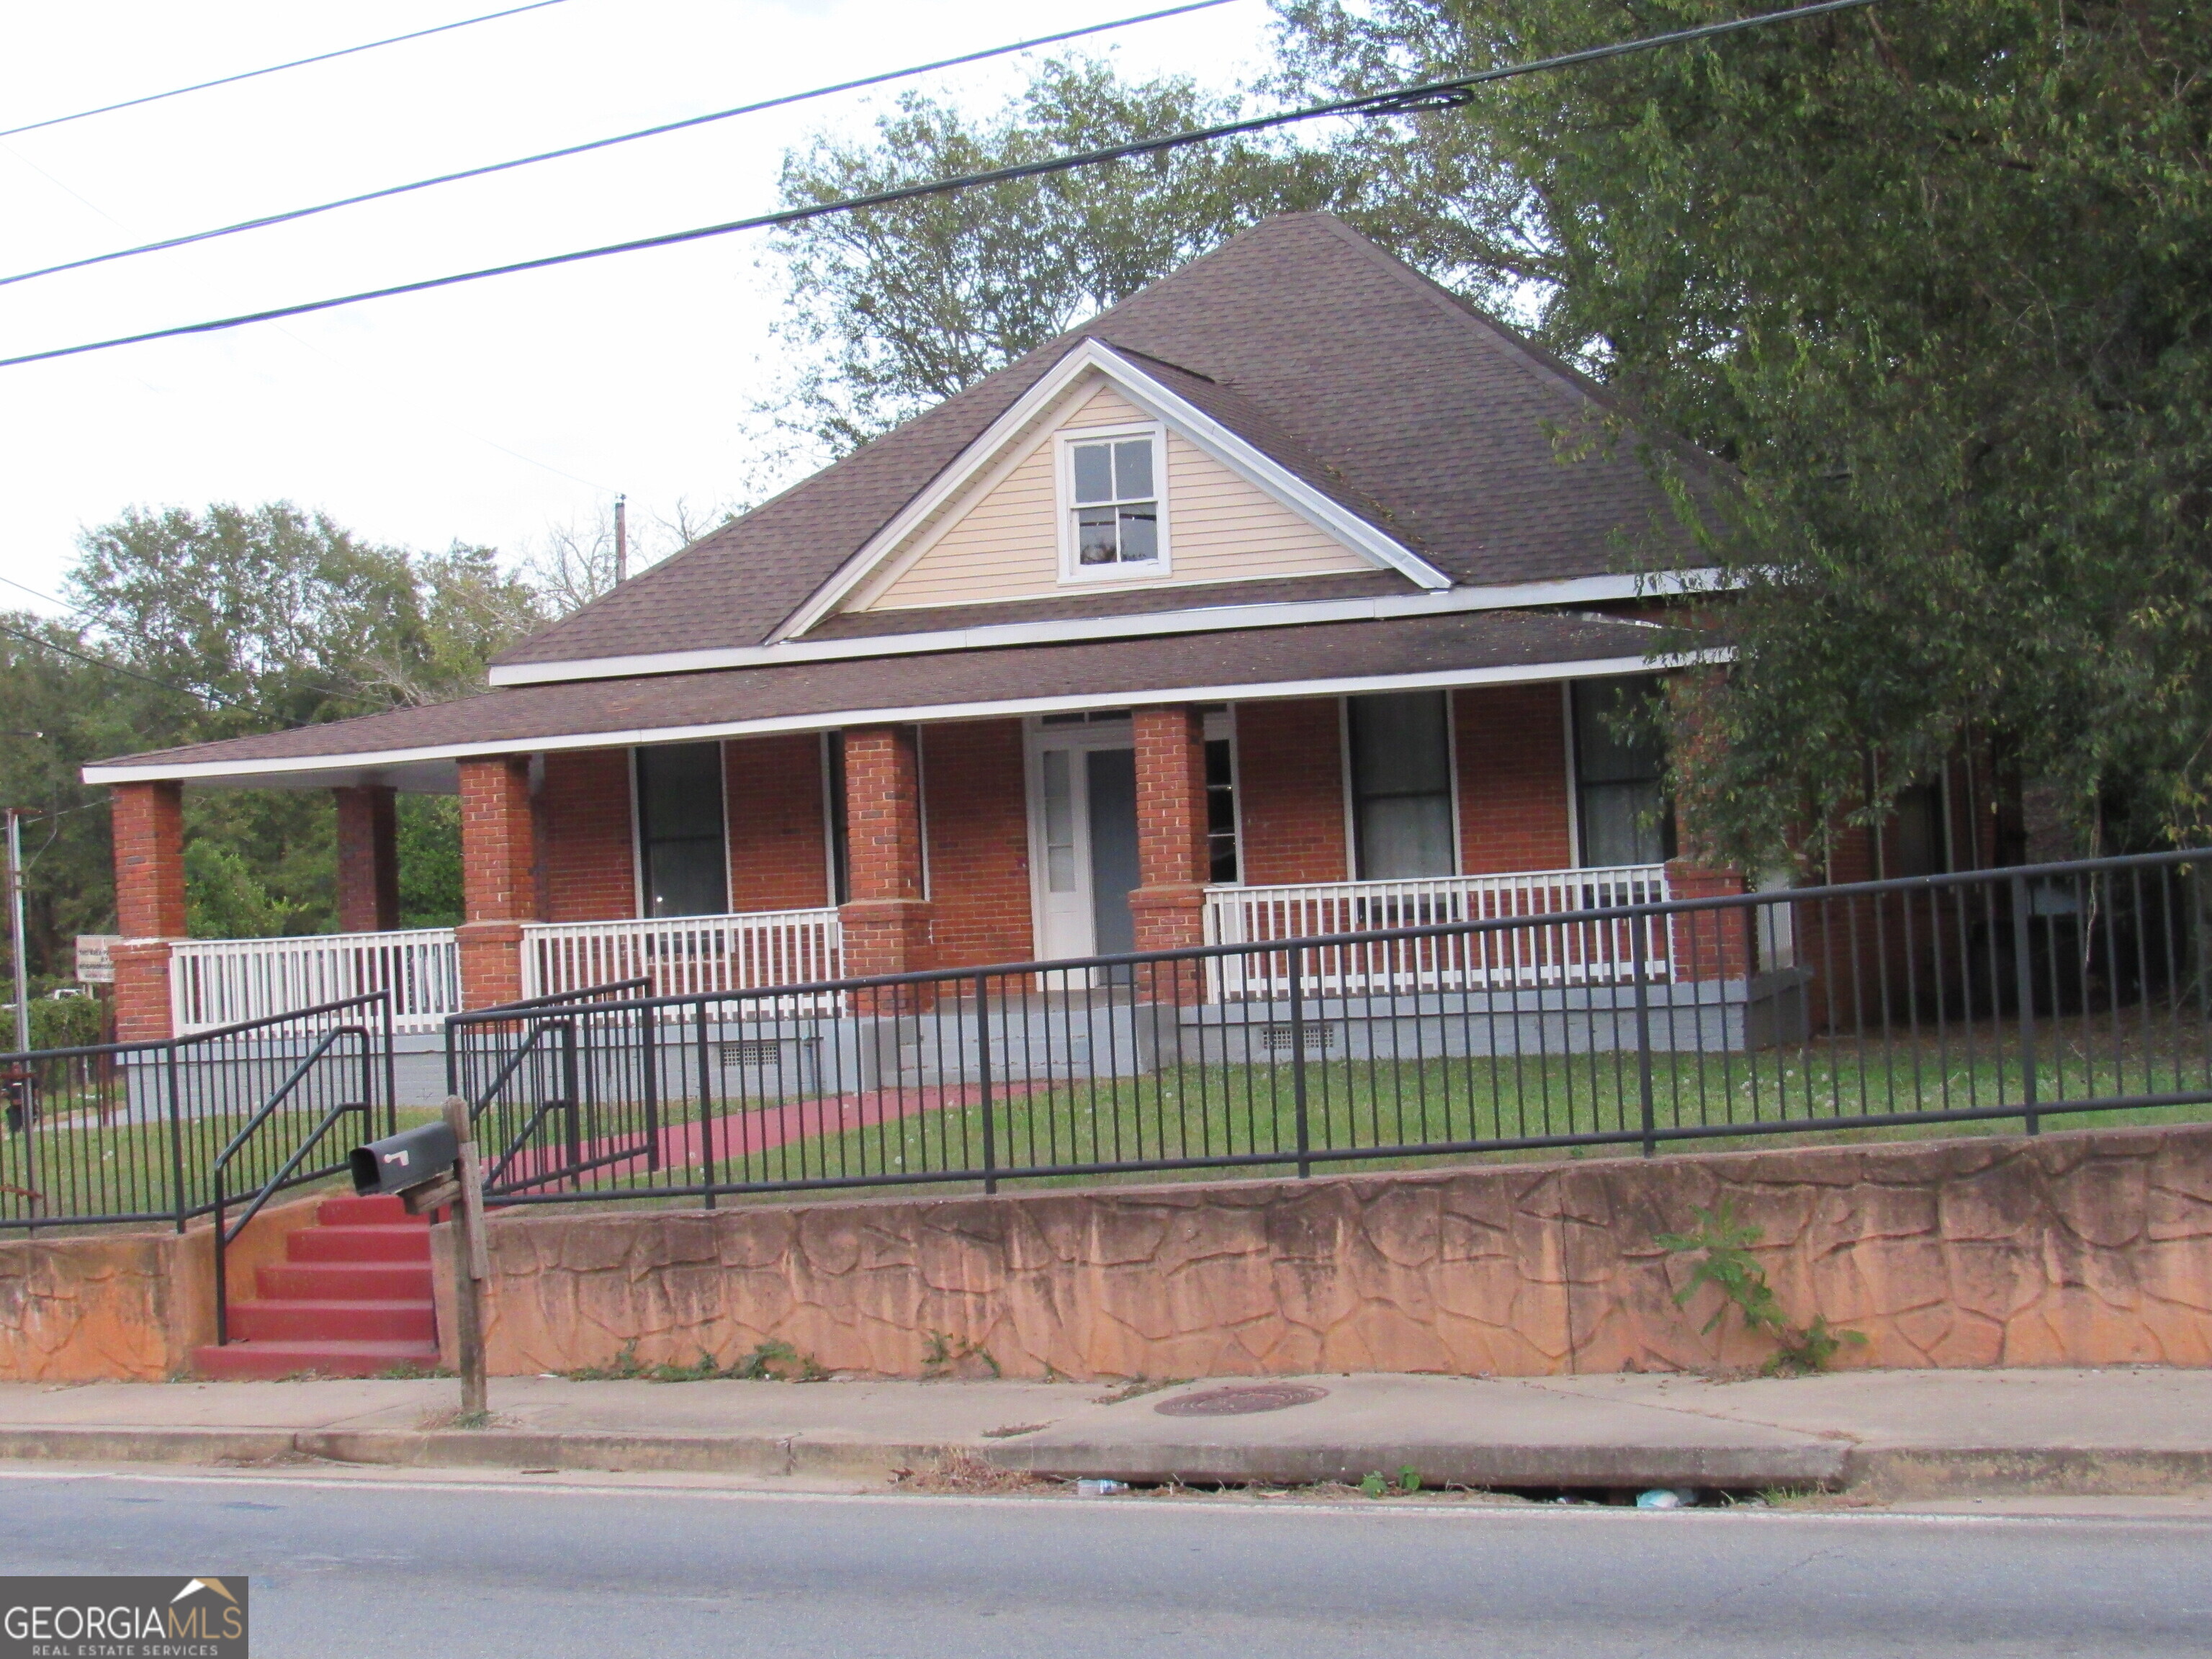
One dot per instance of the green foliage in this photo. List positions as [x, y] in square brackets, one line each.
[276, 617]
[940, 1353]
[1727, 1265]
[770, 1362]
[224, 898]
[64, 1023]
[429, 846]
[1939, 283]
[901, 306]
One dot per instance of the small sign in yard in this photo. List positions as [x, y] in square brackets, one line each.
[95, 960]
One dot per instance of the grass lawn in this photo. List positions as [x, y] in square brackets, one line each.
[78, 1166]
[1812, 1093]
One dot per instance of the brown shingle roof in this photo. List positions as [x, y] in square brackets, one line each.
[615, 710]
[1412, 408]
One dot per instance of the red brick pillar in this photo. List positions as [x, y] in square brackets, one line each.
[885, 921]
[368, 859]
[1707, 944]
[148, 820]
[1169, 903]
[499, 877]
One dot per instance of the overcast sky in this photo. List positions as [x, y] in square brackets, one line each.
[484, 413]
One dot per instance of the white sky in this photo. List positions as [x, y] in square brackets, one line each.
[397, 417]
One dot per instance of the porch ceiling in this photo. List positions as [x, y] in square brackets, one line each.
[1317, 659]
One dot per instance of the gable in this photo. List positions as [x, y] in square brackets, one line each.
[1002, 539]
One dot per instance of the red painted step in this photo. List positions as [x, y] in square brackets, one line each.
[242, 1361]
[347, 1281]
[400, 1243]
[290, 1321]
[352, 1299]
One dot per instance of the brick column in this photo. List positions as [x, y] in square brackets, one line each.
[149, 820]
[368, 859]
[1169, 902]
[499, 878]
[885, 921]
[1707, 944]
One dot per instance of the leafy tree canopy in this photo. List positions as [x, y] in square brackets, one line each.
[192, 626]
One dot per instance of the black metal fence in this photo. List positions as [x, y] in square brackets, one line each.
[2018, 994]
[211, 1124]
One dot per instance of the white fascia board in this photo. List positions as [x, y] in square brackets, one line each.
[1435, 679]
[1143, 624]
[1157, 401]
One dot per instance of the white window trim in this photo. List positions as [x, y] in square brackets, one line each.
[1065, 442]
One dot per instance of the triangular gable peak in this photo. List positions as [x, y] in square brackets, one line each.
[1102, 479]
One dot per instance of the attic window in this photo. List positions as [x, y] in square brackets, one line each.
[1113, 517]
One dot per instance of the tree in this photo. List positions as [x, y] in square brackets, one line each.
[900, 307]
[199, 625]
[1939, 283]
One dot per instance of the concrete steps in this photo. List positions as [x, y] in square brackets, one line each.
[352, 1299]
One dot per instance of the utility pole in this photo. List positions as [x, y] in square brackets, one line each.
[15, 928]
[622, 539]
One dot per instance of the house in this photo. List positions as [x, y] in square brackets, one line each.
[1267, 602]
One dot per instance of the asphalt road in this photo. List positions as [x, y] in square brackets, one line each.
[346, 1567]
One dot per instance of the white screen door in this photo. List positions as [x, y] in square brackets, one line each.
[1082, 835]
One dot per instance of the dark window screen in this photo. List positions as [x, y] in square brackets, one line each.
[1220, 812]
[1401, 784]
[679, 800]
[1625, 818]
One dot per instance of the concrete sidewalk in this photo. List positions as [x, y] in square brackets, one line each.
[1882, 1434]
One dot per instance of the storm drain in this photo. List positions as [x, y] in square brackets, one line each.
[1241, 1401]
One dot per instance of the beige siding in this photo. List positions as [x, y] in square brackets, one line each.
[1005, 545]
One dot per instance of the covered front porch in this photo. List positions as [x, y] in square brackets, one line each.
[790, 858]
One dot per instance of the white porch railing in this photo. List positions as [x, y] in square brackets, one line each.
[683, 956]
[1568, 953]
[220, 981]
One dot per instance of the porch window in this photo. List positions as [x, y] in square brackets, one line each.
[1400, 766]
[1220, 811]
[1625, 818]
[680, 830]
[1114, 504]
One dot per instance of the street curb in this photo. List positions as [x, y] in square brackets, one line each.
[495, 1447]
[1815, 1463]
[1897, 1474]
[1880, 1475]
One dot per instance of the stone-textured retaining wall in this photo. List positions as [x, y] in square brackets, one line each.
[2076, 1249]
[123, 1306]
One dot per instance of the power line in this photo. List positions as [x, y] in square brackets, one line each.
[1425, 95]
[273, 68]
[291, 214]
[216, 698]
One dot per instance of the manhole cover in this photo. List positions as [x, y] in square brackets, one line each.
[1238, 1402]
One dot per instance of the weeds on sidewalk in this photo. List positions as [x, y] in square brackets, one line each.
[1137, 1386]
[770, 1361]
[941, 1356]
[1729, 1268]
[454, 1418]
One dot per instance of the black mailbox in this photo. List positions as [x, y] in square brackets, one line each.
[407, 1159]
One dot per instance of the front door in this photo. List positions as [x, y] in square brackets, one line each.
[1083, 834]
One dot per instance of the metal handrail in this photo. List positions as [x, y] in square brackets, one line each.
[225, 1236]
